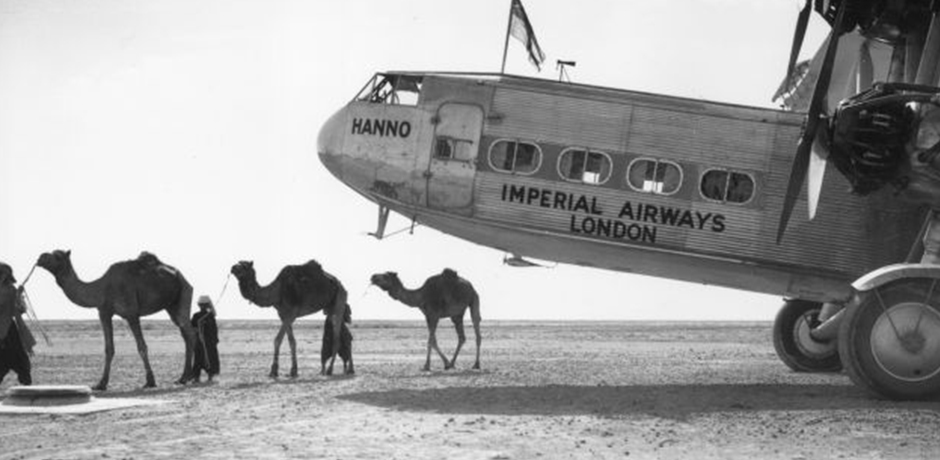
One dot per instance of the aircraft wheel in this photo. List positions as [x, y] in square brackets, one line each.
[794, 344]
[890, 339]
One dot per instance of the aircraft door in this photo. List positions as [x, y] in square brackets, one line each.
[452, 166]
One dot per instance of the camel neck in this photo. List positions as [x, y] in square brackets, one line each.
[262, 296]
[406, 296]
[88, 295]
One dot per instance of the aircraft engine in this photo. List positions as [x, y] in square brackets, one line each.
[878, 136]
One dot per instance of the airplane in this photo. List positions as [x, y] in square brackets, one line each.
[696, 190]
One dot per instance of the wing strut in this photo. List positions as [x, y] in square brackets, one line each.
[379, 232]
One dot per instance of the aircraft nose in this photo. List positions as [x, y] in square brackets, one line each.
[330, 142]
[370, 164]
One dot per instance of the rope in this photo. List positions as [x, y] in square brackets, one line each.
[31, 313]
[365, 291]
[31, 270]
[224, 287]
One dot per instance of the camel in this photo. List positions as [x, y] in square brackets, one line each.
[298, 290]
[441, 296]
[130, 289]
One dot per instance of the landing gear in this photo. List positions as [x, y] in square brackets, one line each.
[794, 344]
[889, 340]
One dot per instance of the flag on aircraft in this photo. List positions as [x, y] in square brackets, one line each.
[521, 29]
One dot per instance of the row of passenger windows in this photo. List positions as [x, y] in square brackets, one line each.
[661, 177]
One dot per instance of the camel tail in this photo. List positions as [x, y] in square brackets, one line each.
[347, 317]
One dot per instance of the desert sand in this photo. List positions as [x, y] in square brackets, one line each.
[546, 390]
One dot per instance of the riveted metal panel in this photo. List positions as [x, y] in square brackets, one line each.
[839, 242]
[715, 139]
[850, 235]
[661, 126]
[560, 119]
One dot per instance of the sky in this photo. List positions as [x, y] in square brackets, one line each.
[188, 128]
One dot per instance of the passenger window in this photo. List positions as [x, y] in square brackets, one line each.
[660, 177]
[584, 166]
[446, 148]
[515, 157]
[727, 186]
[740, 188]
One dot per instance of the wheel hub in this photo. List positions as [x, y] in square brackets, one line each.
[906, 341]
[913, 341]
[805, 341]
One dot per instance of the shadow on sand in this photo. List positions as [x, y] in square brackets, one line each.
[176, 388]
[168, 389]
[290, 381]
[668, 401]
[440, 373]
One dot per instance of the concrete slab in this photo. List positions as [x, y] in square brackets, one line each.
[64, 400]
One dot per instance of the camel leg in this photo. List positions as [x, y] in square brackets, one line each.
[189, 338]
[338, 317]
[293, 350]
[476, 332]
[326, 366]
[339, 312]
[134, 324]
[432, 324]
[277, 348]
[108, 329]
[461, 338]
[432, 344]
[348, 370]
[180, 316]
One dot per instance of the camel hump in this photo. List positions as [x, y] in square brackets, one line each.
[299, 280]
[312, 267]
[449, 275]
[302, 273]
[148, 262]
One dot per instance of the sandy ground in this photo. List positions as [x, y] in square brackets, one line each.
[547, 390]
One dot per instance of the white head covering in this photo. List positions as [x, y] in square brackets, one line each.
[204, 300]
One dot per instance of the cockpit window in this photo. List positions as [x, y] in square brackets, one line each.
[391, 89]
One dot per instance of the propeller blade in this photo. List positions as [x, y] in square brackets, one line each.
[797, 174]
[927, 67]
[817, 170]
[917, 248]
[865, 69]
[798, 34]
[803, 150]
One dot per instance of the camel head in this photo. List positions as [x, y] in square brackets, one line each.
[386, 281]
[244, 269]
[56, 262]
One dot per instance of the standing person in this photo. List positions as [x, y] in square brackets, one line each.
[207, 349]
[16, 342]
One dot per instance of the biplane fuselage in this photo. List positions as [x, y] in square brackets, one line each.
[642, 183]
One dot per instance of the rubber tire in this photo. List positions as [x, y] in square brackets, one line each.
[855, 340]
[786, 344]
